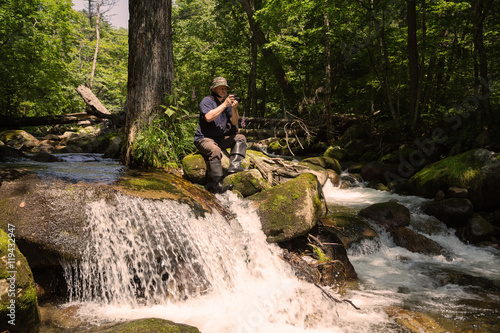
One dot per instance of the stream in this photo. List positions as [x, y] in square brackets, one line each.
[152, 258]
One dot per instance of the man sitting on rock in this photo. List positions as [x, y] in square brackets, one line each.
[217, 130]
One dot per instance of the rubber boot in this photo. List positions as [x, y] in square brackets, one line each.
[238, 153]
[215, 174]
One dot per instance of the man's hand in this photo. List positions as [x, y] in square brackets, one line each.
[231, 101]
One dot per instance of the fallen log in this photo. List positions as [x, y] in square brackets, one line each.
[94, 105]
[16, 123]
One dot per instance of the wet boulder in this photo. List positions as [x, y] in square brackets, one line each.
[8, 153]
[320, 257]
[247, 182]
[415, 242]
[375, 171]
[454, 212]
[45, 146]
[45, 157]
[477, 230]
[347, 226]
[114, 148]
[290, 209]
[388, 215]
[414, 321]
[152, 325]
[18, 302]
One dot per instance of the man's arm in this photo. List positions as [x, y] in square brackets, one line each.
[214, 113]
[234, 113]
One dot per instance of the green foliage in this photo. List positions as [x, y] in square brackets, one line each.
[36, 40]
[164, 143]
[46, 51]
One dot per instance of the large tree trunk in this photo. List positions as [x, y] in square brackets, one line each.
[150, 65]
[413, 59]
[481, 9]
[328, 76]
[252, 80]
[271, 59]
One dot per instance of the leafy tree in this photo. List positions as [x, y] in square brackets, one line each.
[35, 47]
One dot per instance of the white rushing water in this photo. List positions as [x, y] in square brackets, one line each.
[463, 287]
[156, 259]
[217, 275]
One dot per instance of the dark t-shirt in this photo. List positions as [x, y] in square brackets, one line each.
[216, 128]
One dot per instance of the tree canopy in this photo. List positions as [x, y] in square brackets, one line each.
[407, 66]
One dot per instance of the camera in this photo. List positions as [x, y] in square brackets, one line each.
[237, 98]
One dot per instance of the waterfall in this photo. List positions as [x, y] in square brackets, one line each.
[155, 258]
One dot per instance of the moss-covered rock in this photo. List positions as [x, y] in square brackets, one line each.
[413, 321]
[51, 216]
[247, 182]
[158, 184]
[195, 168]
[290, 209]
[277, 147]
[18, 139]
[18, 302]
[320, 173]
[336, 152]
[151, 325]
[348, 227]
[325, 162]
[476, 170]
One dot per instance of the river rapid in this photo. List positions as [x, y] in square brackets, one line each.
[231, 280]
[234, 281]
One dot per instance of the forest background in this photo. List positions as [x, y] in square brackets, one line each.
[406, 67]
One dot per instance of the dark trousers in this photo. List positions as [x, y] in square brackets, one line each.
[211, 149]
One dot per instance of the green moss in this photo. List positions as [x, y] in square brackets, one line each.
[282, 208]
[26, 304]
[319, 255]
[192, 162]
[462, 170]
[151, 325]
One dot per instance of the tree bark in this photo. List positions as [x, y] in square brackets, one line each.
[481, 8]
[98, 37]
[271, 59]
[17, 123]
[252, 80]
[150, 65]
[94, 105]
[328, 76]
[413, 59]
